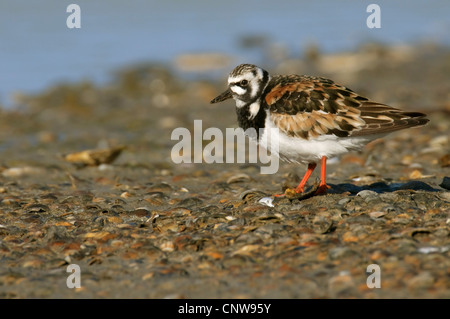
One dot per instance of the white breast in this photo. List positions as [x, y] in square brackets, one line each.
[298, 150]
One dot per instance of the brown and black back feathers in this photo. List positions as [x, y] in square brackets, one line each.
[307, 106]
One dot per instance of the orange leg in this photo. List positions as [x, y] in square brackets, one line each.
[311, 167]
[323, 185]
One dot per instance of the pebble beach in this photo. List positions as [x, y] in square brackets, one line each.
[86, 178]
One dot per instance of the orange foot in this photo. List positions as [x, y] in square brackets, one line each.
[322, 189]
[299, 190]
[289, 192]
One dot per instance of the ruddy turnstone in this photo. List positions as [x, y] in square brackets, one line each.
[316, 117]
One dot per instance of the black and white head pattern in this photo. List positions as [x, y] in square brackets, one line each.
[247, 83]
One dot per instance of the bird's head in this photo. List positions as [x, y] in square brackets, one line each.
[246, 83]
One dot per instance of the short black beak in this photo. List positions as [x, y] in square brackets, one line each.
[222, 97]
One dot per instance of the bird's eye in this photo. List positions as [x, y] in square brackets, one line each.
[243, 83]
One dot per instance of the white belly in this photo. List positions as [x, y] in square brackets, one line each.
[298, 150]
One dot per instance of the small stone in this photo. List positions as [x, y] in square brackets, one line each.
[37, 208]
[344, 201]
[445, 160]
[21, 171]
[246, 250]
[34, 263]
[148, 276]
[415, 174]
[252, 195]
[341, 286]
[422, 281]
[377, 214]
[105, 167]
[57, 233]
[98, 200]
[170, 296]
[445, 196]
[431, 249]
[366, 194]
[167, 246]
[94, 157]
[239, 178]
[353, 159]
[341, 253]
[407, 159]
[322, 225]
[161, 187]
[350, 237]
[47, 137]
[266, 201]
[141, 212]
[125, 195]
[190, 201]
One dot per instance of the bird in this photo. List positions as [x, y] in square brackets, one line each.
[317, 119]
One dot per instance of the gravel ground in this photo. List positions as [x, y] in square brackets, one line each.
[141, 226]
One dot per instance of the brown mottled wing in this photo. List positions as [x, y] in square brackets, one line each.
[307, 107]
[383, 119]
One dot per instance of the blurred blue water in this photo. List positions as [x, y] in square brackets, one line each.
[38, 50]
